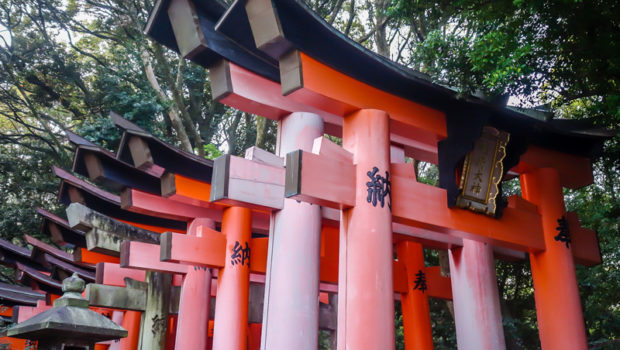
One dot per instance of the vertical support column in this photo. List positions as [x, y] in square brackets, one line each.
[131, 322]
[365, 279]
[477, 313]
[117, 317]
[291, 309]
[558, 307]
[416, 313]
[155, 325]
[231, 303]
[195, 301]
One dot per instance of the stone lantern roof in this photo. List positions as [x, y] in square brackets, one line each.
[69, 320]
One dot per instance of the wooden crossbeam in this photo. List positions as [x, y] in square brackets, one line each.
[575, 171]
[413, 203]
[85, 256]
[112, 274]
[207, 249]
[82, 218]
[248, 183]
[40, 249]
[149, 204]
[237, 87]
[145, 256]
[584, 242]
[269, 166]
[184, 189]
[117, 297]
[313, 83]
[244, 90]
[195, 192]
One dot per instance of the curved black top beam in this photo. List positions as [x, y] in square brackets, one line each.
[293, 25]
[59, 231]
[215, 46]
[103, 168]
[166, 156]
[11, 295]
[105, 202]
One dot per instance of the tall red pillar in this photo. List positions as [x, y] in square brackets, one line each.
[365, 279]
[195, 301]
[558, 307]
[231, 301]
[416, 313]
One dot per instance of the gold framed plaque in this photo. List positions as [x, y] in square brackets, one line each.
[482, 172]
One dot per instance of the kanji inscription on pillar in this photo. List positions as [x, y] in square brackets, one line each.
[159, 324]
[482, 172]
[563, 232]
[240, 255]
[420, 281]
[379, 188]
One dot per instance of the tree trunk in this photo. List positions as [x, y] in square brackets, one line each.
[176, 86]
[261, 132]
[383, 48]
[175, 120]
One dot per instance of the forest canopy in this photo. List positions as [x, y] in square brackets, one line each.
[66, 64]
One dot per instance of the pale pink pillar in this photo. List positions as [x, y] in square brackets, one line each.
[291, 309]
[477, 313]
[366, 256]
[195, 302]
[117, 317]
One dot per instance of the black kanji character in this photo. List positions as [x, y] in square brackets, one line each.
[239, 254]
[563, 233]
[420, 281]
[378, 188]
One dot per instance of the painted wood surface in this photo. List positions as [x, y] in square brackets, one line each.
[558, 307]
[195, 302]
[231, 310]
[477, 314]
[415, 204]
[365, 278]
[416, 312]
[291, 317]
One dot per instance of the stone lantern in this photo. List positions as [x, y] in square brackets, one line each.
[69, 325]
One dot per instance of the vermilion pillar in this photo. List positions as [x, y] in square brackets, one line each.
[560, 318]
[291, 309]
[131, 322]
[416, 313]
[231, 302]
[365, 280]
[477, 313]
[195, 301]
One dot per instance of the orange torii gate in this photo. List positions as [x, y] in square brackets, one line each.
[283, 60]
[209, 246]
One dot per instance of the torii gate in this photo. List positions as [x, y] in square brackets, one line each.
[352, 91]
[138, 142]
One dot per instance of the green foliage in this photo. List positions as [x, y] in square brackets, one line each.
[211, 151]
[67, 65]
